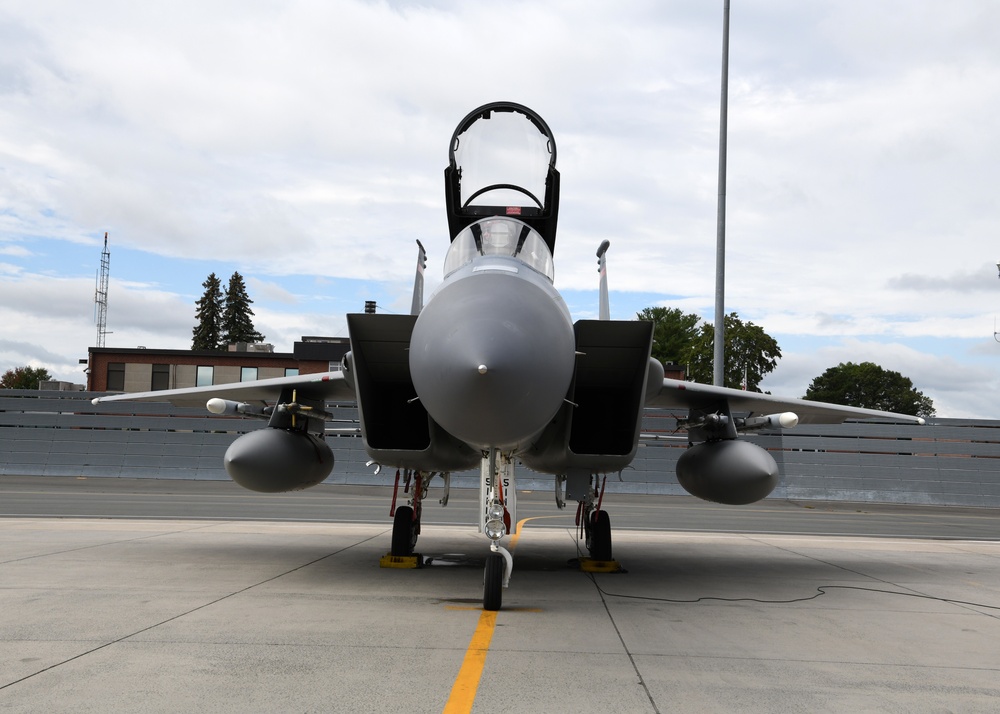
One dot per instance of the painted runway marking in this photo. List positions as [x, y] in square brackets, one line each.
[463, 691]
[517, 529]
[471, 608]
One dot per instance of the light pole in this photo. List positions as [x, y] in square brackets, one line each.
[996, 335]
[719, 351]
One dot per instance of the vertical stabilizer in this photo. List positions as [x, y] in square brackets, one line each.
[418, 280]
[605, 306]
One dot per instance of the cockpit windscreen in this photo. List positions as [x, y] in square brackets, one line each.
[501, 236]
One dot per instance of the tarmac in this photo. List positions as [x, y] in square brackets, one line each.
[166, 615]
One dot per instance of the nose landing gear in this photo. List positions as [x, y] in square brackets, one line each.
[497, 514]
[496, 576]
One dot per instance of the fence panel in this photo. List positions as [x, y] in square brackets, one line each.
[947, 462]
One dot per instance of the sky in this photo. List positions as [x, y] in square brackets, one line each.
[302, 143]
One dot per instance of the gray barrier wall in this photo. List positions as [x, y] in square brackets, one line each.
[947, 462]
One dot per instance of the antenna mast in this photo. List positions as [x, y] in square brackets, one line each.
[101, 294]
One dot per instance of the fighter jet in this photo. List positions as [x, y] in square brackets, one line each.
[492, 371]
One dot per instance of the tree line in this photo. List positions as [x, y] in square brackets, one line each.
[682, 338]
[751, 354]
[223, 319]
[24, 377]
[678, 337]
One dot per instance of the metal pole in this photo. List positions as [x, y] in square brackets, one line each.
[719, 358]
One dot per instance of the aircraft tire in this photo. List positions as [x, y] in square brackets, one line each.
[493, 582]
[600, 536]
[404, 532]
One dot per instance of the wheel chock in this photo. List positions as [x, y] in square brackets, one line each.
[589, 565]
[401, 561]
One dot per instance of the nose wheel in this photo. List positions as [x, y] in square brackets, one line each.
[493, 581]
[496, 576]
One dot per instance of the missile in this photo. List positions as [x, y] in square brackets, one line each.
[784, 420]
[226, 407]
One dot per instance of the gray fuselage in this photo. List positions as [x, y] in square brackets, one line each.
[492, 353]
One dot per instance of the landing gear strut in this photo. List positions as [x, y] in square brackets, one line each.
[497, 499]
[406, 519]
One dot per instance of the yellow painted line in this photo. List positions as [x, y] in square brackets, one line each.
[520, 524]
[477, 608]
[463, 692]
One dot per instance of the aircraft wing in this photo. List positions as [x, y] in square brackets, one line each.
[329, 386]
[692, 395]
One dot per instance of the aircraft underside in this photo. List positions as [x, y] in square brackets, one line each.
[498, 517]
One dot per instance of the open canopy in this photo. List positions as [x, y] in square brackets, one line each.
[501, 162]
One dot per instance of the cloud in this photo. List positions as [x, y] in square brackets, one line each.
[18, 251]
[305, 142]
[958, 390]
[263, 289]
[962, 282]
[28, 352]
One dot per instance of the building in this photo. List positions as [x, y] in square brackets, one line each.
[141, 369]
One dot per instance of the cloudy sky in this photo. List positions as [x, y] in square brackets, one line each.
[303, 144]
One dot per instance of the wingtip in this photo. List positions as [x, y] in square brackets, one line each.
[95, 401]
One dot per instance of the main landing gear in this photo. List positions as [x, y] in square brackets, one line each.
[406, 519]
[405, 529]
[593, 523]
[597, 531]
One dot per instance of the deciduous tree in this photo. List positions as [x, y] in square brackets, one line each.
[673, 334]
[24, 377]
[683, 338]
[750, 354]
[870, 386]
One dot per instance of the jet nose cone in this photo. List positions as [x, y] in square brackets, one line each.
[491, 358]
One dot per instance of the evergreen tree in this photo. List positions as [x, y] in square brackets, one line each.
[237, 318]
[207, 332]
[24, 378]
[870, 386]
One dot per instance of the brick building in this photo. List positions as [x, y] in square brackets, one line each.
[141, 369]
